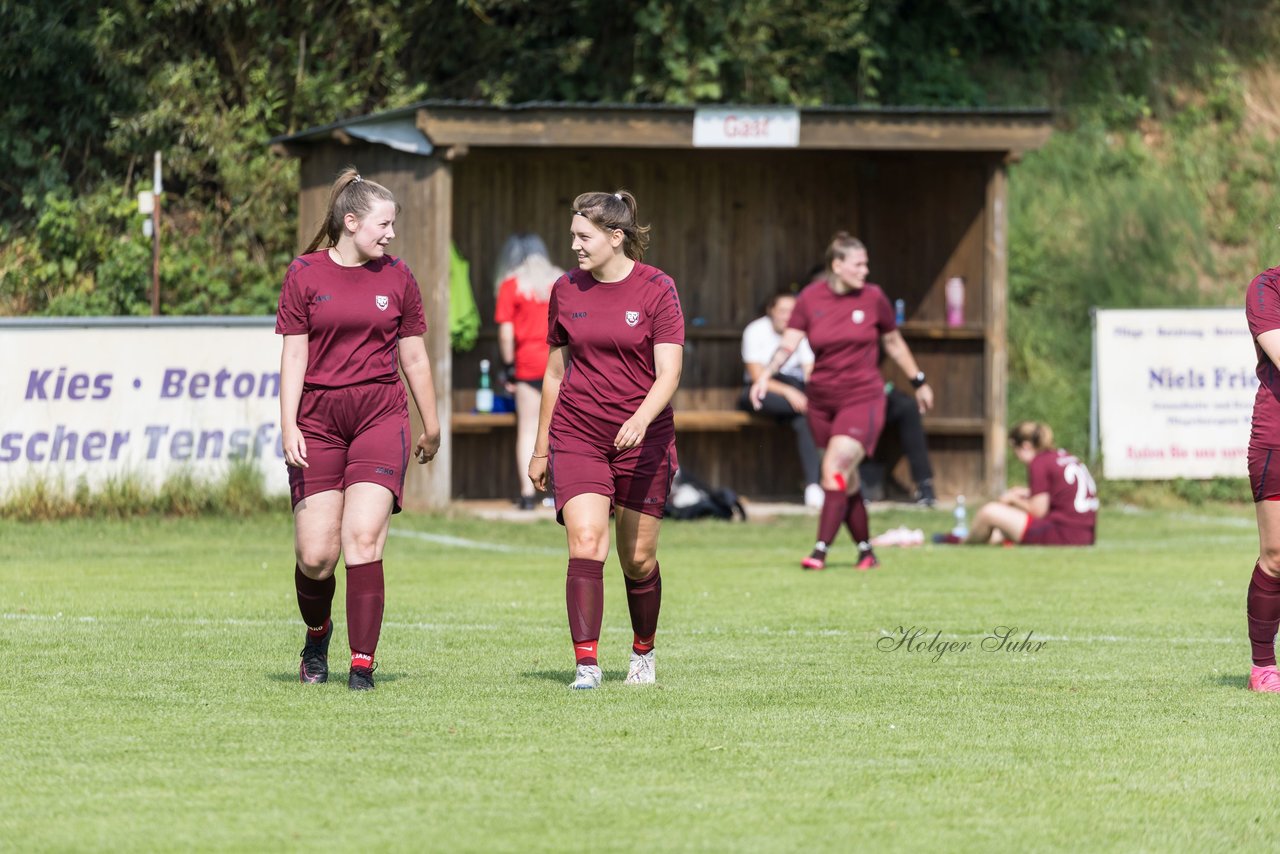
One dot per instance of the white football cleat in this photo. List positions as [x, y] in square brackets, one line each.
[641, 671]
[588, 677]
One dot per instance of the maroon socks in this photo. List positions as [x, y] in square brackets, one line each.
[835, 507]
[365, 597]
[1263, 612]
[856, 519]
[644, 600]
[584, 597]
[315, 601]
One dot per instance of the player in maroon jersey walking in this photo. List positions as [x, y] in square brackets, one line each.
[1262, 310]
[1057, 507]
[846, 320]
[606, 432]
[351, 315]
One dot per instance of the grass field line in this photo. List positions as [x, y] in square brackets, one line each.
[463, 543]
[493, 627]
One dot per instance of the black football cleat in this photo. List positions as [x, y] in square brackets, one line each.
[314, 668]
[360, 679]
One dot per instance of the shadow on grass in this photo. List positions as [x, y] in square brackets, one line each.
[336, 677]
[1232, 680]
[565, 675]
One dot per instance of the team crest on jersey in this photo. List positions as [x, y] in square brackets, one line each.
[633, 317]
[859, 315]
[381, 302]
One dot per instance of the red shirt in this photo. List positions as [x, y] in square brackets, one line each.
[353, 317]
[610, 329]
[528, 318]
[1262, 310]
[1073, 497]
[844, 331]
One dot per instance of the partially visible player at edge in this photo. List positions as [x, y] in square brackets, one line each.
[847, 320]
[350, 315]
[1262, 310]
[606, 432]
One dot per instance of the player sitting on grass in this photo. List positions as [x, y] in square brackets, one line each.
[1058, 507]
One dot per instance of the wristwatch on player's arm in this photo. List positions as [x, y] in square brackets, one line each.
[918, 380]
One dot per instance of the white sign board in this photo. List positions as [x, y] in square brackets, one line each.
[146, 399]
[746, 127]
[1175, 392]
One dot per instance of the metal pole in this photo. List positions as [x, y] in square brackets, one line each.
[156, 188]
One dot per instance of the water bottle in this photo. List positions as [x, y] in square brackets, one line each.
[961, 529]
[955, 301]
[484, 394]
[900, 310]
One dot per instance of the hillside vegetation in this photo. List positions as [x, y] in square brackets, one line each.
[1158, 188]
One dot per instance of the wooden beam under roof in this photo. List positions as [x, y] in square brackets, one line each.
[557, 127]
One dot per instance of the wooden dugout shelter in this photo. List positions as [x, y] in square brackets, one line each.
[924, 189]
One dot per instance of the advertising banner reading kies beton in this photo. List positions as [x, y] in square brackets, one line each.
[1175, 392]
[87, 399]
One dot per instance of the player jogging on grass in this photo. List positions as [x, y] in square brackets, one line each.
[1262, 609]
[606, 433]
[846, 320]
[351, 315]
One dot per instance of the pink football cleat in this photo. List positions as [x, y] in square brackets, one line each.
[866, 560]
[1264, 680]
[817, 560]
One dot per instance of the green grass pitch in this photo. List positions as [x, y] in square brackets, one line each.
[149, 697]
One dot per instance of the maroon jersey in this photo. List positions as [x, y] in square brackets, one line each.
[1262, 310]
[610, 329]
[844, 331]
[353, 317]
[1073, 497]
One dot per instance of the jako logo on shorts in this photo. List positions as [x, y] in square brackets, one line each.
[381, 302]
[633, 317]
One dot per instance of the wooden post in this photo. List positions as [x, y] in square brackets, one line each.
[157, 187]
[996, 281]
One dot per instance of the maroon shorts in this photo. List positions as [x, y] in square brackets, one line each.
[357, 434]
[1264, 474]
[860, 421]
[638, 478]
[1045, 532]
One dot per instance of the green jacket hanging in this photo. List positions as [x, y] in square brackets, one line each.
[464, 317]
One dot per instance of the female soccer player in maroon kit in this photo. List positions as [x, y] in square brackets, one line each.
[1262, 310]
[1057, 507]
[606, 432]
[847, 320]
[350, 315]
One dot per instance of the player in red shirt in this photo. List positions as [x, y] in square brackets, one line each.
[606, 432]
[351, 315]
[1057, 507]
[1262, 310]
[525, 277]
[847, 320]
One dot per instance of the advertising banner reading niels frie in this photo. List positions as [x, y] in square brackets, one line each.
[1175, 392]
[147, 400]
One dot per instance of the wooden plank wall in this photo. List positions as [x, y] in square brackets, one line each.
[734, 226]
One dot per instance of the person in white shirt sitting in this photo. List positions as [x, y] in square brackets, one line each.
[786, 399]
